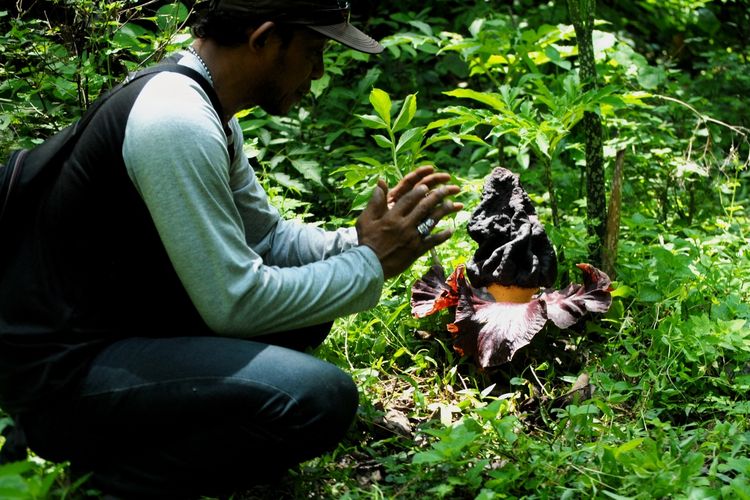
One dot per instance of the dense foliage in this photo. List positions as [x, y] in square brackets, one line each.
[648, 401]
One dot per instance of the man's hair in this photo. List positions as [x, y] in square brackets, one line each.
[230, 31]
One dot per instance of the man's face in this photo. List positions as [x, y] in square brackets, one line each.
[294, 67]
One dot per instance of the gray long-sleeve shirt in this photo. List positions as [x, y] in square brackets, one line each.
[247, 271]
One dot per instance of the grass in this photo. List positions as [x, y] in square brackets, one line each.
[669, 368]
[664, 413]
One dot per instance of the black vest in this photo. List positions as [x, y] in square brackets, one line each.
[91, 269]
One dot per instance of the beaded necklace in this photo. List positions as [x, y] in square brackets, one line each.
[200, 59]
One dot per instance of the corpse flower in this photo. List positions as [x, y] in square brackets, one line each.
[507, 298]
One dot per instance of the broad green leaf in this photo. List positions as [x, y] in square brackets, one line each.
[500, 60]
[317, 87]
[180, 38]
[554, 55]
[651, 77]
[542, 143]
[408, 110]
[615, 496]
[636, 98]
[613, 100]
[490, 99]
[629, 446]
[128, 36]
[368, 160]
[381, 101]
[308, 168]
[361, 200]
[422, 26]
[603, 41]
[170, 16]
[408, 138]
[289, 183]
[368, 80]
[383, 141]
[372, 121]
[457, 138]
[623, 291]
[428, 457]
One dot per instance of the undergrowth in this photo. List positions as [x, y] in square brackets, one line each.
[647, 401]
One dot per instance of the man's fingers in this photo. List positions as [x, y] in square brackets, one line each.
[436, 239]
[409, 181]
[445, 208]
[432, 200]
[436, 179]
[377, 206]
[409, 201]
[418, 174]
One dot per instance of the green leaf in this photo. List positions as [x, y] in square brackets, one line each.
[603, 41]
[408, 138]
[428, 457]
[554, 55]
[623, 291]
[289, 183]
[129, 36]
[381, 101]
[372, 121]
[457, 138]
[383, 141]
[310, 169]
[650, 78]
[629, 446]
[317, 87]
[542, 143]
[615, 496]
[422, 26]
[408, 110]
[635, 98]
[170, 16]
[365, 194]
[490, 99]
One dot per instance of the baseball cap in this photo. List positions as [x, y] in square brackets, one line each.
[328, 17]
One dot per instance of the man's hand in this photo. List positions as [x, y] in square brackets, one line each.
[424, 175]
[389, 223]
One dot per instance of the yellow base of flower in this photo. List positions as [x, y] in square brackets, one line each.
[514, 294]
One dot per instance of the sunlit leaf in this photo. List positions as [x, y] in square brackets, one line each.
[382, 141]
[405, 116]
[372, 121]
[169, 17]
[310, 169]
[492, 100]
[408, 138]
[381, 101]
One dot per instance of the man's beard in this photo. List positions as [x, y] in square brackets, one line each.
[270, 94]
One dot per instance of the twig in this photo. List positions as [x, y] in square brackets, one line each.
[435, 257]
[743, 131]
[544, 389]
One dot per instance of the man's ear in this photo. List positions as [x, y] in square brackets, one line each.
[260, 35]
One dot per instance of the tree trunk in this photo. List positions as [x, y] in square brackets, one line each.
[582, 15]
[611, 235]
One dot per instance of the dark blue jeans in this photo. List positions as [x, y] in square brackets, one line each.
[183, 416]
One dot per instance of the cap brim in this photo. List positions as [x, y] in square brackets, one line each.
[350, 36]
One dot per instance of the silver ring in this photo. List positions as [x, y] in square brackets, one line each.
[425, 227]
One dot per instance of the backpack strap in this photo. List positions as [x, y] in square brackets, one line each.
[174, 68]
[61, 144]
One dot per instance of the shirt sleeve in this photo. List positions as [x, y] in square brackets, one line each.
[290, 243]
[217, 226]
